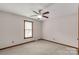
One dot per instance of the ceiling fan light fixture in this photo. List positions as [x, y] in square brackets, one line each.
[39, 16]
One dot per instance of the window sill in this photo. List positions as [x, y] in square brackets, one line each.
[27, 37]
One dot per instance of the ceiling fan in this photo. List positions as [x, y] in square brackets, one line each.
[39, 14]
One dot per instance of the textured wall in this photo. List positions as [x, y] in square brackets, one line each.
[62, 24]
[12, 29]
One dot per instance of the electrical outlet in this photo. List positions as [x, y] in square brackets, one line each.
[53, 38]
[12, 41]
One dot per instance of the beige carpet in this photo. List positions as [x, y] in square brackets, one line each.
[40, 47]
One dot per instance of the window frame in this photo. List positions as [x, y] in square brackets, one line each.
[25, 29]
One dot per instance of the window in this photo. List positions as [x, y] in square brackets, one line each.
[28, 29]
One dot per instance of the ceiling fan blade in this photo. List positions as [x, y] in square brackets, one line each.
[40, 11]
[45, 16]
[35, 12]
[33, 15]
[46, 12]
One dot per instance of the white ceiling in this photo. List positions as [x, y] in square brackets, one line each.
[63, 9]
[24, 9]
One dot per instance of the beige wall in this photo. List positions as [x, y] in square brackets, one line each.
[12, 29]
[62, 24]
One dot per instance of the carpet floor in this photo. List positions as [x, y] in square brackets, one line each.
[40, 47]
